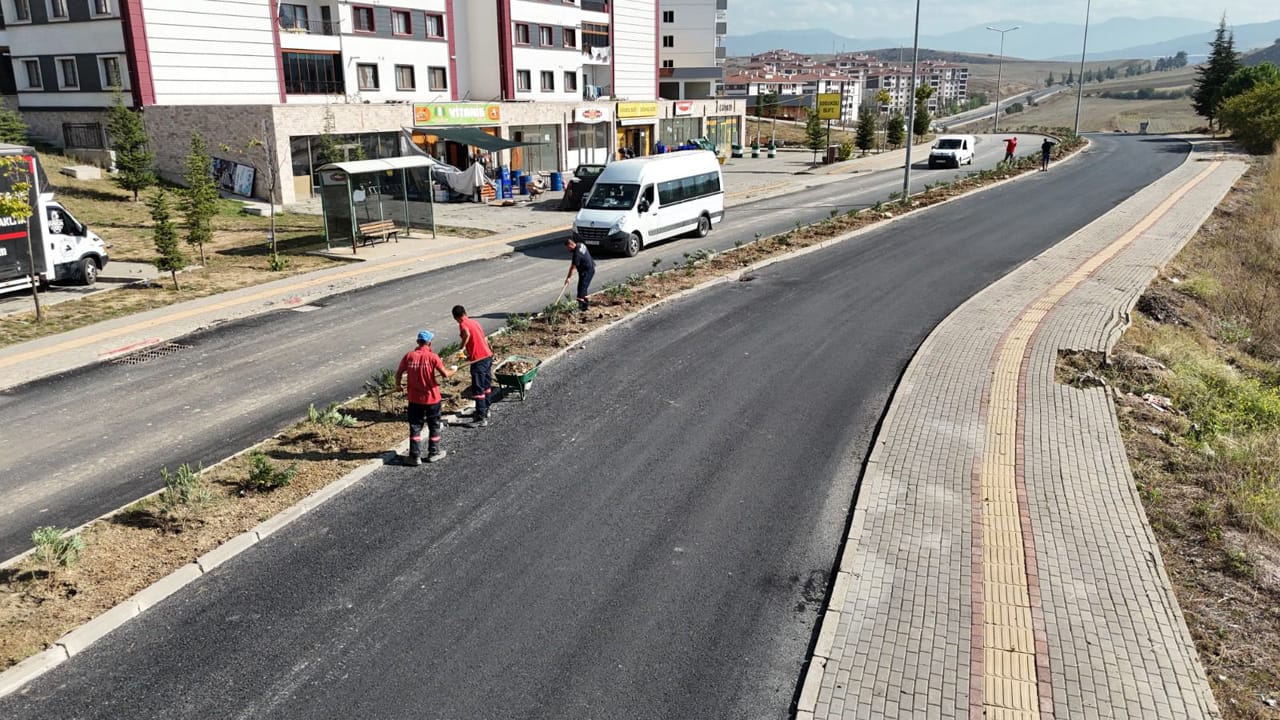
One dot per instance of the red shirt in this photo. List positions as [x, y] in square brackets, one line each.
[421, 365]
[1010, 145]
[477, 346]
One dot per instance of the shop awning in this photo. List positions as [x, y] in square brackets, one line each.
[360, 167]
[473, 137]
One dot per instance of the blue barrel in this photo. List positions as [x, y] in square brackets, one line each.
[504, 174]
[557, 182]
[524, 183]
[506, 189]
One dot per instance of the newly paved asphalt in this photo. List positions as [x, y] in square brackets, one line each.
[650, 535]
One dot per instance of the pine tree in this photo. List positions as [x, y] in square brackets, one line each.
[1071, 77]
[815, 138]
[13, 128]
[134, 162]
[896, 133]
[171, 259]
[1223, 62]
[866, 134]
[1049, 81]
[199, 201]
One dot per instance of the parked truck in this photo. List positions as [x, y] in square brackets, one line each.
[64, 249]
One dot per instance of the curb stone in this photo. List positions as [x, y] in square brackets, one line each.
[85, 635]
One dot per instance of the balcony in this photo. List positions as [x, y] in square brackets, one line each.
[601, 6]
[298, 33]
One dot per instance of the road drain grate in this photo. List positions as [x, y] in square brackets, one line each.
[151, 353]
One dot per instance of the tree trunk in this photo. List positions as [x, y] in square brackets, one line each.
[35, 296]
[174, 275]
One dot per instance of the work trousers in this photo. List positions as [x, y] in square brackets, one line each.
[584, 284]
[482, 385]
[421, 414]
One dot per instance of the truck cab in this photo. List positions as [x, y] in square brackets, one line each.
[76, 254]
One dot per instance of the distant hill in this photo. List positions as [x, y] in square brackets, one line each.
[1032, 40]
[1268, 54]
[1196, 45]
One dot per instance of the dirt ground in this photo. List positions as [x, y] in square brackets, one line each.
[1105, 115]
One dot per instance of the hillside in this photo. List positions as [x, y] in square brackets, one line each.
[1268, 54]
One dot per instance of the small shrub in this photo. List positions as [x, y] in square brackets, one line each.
[54, 548]
[330, 417]
[517, 322]
[1201, 287]
[263, 476]
[556, 312]
[277, 262]
[450, 350]
[617, 293]
[654, 265]
[381, 386]
[635, 279]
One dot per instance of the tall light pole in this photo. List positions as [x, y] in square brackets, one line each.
[995, 124]
[1084, 48]
[911, 108]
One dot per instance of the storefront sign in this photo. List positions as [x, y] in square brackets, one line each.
[828, 106]
[425, 114]
[725, 107]
[642, 109]
[590, 116]
[683, 107]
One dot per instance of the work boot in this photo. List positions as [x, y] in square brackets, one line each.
[411, 460]
[480, 422]
[436, 456]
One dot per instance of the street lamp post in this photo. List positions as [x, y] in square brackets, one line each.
[1084, 48]
[911, 108]
[995, 124]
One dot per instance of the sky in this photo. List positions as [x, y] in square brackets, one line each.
[877, 18]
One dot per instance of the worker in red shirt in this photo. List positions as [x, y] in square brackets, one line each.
[421, 365]
[475, 347]
[1010, 145]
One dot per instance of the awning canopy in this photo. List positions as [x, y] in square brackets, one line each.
[473, 137]
[361, 167]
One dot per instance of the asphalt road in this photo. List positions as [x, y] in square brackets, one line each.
[84, 443]
[649, 536]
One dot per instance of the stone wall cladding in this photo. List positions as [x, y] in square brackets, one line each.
[227, 131]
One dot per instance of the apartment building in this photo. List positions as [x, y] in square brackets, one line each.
[950, 85]
[797, 91]
[572, 80]
[691, 48]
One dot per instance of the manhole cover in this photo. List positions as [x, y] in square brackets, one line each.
[151, 353]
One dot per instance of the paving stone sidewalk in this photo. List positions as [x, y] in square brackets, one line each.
[906, 635]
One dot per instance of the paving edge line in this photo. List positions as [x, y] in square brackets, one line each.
[80, 638]
[815, 671]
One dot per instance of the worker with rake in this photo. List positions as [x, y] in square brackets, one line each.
[421, 365]
[475, 347]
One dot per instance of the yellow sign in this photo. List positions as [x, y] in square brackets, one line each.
[643, 109]
[828, 106]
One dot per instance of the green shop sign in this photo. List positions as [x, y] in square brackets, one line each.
[426, 114]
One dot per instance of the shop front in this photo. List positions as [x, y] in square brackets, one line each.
[541, 151]
[588, 136]
[682, 126]
[724, 129]
[637, 124]
[434, 126]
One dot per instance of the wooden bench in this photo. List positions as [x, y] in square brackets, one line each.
[379, 229]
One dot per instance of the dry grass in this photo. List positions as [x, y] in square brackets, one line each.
[1208, 464]
[140, 545]
[1107, 115]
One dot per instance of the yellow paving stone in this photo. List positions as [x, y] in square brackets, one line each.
[1006, 664]
[1011, 694]
[1008, 638]
[1007, 615]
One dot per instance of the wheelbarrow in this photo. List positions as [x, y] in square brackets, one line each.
[516, 373]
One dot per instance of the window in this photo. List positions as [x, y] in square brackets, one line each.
[401, 22]
[22, 10]
[34, 80]
[101, 7]
[522, 34]
[548, 81]
[689, 188]
[435, 26]
[545, 37]
[439, 78]
[68, 76]
[367, 76]
[668, 16]
[312, 73]
[570, 38]
[570, 81]
[668, 63]
[362, 18]
[293, 17]
[111, 75]
[595, 35]
[404, 77]
[524, 81]
[58, 9]
[668, 41]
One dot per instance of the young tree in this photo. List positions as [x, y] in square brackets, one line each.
[1049, 80]
[896, 133]
[923, 119]
[866, 134]
[13, 128]
[15, 203]
[815, 137]
[134, 161]
[1223, 62]
[170, 259]
[1071, 77]
[199, 201]
[1252, 118]
[769, 103]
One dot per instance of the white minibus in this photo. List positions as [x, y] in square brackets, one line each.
[638, 202]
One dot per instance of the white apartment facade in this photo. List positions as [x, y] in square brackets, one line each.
[691, 48]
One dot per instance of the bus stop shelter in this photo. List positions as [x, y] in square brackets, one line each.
[359, 192]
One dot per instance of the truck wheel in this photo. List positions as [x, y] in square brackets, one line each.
[704, 226]
[86, 271]
[633, 245]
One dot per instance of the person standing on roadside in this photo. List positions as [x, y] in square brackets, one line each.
[475, 346]
[421, 365]
[1046, 149]
[581, 261]
[1010, 146]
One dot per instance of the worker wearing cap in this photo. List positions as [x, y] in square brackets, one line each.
[421, 366]
[475, 346]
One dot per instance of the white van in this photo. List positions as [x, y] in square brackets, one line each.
[952, 150]
[638, 202]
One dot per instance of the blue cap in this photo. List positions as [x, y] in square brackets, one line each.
[425, 335]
